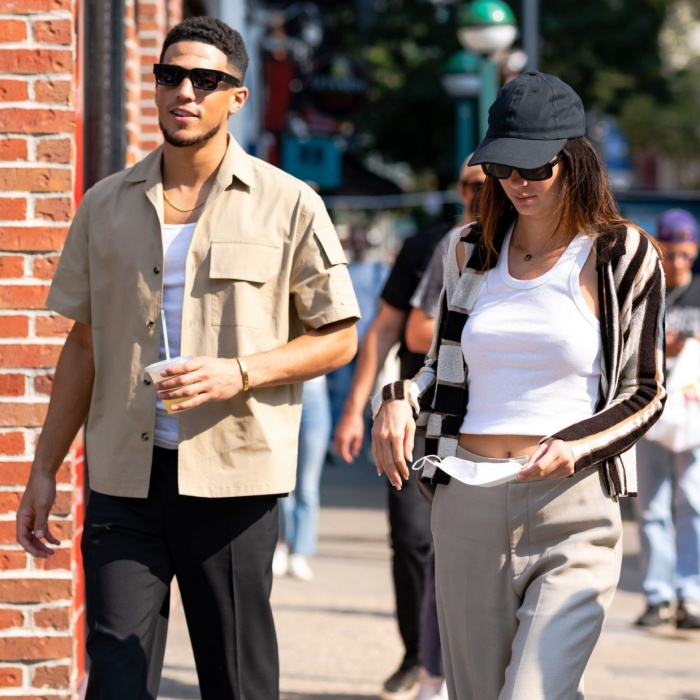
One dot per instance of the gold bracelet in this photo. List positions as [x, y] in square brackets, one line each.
[244, 374]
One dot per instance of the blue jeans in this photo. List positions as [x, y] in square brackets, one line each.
[668, 509]
[300, 509]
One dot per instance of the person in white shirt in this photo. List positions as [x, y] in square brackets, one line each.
[546, 366]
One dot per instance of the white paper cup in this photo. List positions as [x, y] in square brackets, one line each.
[157, 367]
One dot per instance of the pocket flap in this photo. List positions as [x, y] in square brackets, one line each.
[330, 243]
[244, 260]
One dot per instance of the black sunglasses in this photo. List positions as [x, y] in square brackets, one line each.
[201, 78]
[503, 172]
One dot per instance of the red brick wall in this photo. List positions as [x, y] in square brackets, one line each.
[42, 601]
[39, 610]
[155, 19]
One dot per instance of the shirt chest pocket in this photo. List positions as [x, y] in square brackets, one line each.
[243, 283]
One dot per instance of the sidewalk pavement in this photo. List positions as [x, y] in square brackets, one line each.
[338, 637]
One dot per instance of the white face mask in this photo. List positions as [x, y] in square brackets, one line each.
[474, 473]
[481, 473]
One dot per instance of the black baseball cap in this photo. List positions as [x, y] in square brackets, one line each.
[530, 121]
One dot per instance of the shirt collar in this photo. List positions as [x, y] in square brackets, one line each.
[236, 165]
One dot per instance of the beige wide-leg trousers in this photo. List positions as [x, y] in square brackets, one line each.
[524, 575]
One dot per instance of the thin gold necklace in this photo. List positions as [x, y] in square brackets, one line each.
[527, 257]
[174, 206]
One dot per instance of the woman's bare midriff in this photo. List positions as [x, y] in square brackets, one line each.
[500, 446]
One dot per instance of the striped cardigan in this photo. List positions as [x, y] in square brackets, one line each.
[631, 393]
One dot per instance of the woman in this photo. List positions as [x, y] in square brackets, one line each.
[546, 367]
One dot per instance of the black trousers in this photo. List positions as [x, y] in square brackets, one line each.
[220, 550]
[411, 542]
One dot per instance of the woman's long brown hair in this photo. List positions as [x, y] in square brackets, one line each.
[588, 204]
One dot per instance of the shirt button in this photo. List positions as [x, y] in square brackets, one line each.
[151, 324]
[144, 437]
[156, 269]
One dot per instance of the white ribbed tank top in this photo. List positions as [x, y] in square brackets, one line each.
[176, 243]
[532, 349]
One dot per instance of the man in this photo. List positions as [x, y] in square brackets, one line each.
[258, 295]
[668, 506]
[409, 512]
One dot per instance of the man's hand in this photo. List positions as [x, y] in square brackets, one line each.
[553, 459]
[201, 379]
[392, 440]
[348, 435]
[33, 515]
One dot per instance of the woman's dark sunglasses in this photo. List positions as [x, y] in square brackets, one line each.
[201, 78]
[503, 172]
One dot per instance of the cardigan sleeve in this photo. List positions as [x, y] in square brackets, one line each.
[425, 379]
[632, 309]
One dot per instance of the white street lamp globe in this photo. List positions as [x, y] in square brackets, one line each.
[487, 26]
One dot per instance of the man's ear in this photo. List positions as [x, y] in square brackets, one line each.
[238, 99]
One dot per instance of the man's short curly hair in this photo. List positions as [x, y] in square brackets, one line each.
[214, 32]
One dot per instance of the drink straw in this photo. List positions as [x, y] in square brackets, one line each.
[165, 334]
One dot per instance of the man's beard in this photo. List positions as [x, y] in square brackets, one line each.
[185, 141]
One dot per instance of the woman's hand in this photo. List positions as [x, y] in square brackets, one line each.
[392, 440]
[553, 459]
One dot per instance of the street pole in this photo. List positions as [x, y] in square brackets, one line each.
[466, 128]
[486, 27]
[531, 22]
[489, 87]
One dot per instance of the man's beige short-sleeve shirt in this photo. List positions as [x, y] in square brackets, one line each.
[265, 265]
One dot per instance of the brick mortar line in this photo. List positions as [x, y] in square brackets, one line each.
[47, 693]
[33, 43]
[34, 223]
[24, 282]
[36, 105]
[12, 633]
[150, 34]
[7, 135]
[31, 572]
[36, 662]
[43, 693]
[33, 104]
[45, 313]
[31, 196]
[23, 193]
[9, 488]
[24, 165]
[30, 665]
[32, 340]
[34, 77]
[51, 14]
